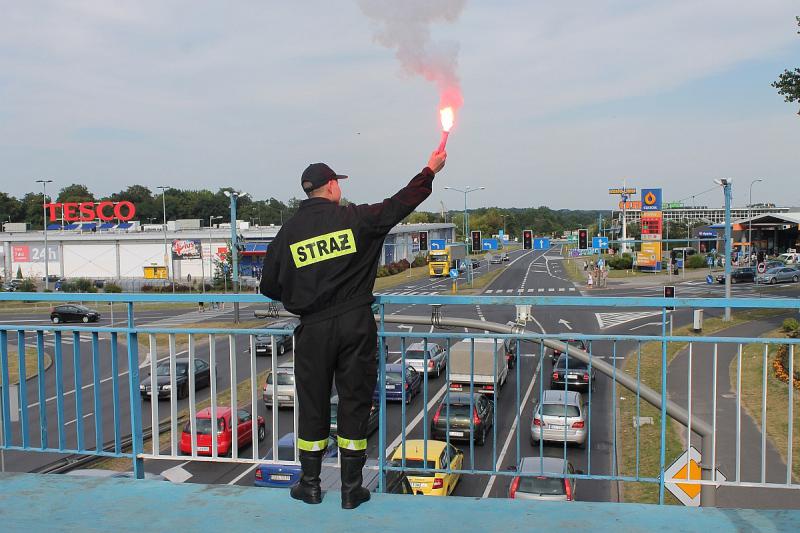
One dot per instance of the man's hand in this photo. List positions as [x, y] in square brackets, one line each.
[436, 162]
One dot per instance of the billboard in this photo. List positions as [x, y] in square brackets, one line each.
[33, 253]
[651, 199]
[650, 256]
[186, 249]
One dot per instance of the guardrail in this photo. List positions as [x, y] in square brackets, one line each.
[112, 365]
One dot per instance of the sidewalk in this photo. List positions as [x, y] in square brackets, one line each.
[645, 279]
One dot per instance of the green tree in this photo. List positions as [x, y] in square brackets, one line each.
[75, 193]
[788, 83]
[10, 208]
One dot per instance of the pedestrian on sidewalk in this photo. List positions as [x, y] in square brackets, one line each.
[585, 265]
[590, 280]
[322, 266]
[201, 306]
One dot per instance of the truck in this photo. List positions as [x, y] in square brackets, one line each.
[441, 261]
[488, 367]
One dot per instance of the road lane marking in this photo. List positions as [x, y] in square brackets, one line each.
[410, 426]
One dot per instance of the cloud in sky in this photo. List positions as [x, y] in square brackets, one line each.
[561, 101]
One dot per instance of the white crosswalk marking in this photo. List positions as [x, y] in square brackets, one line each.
[489, 291]
[551, 289]
[561, 289]
[541, 289]
[530, 290]
[609, 320]
[572, 289]
[509, 291]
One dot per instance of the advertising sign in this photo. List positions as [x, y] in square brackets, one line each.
[650, 255]
[33, 253]
[651, 224]
[631, 204]
[88, 211]
[627, 190]
[186, 249]
[651, 199]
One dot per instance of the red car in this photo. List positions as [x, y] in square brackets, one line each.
[224, 431]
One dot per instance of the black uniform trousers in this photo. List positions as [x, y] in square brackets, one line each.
[343, 347]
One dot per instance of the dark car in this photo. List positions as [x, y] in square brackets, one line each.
[202, 379]
[505, 257]
[510, 346]
[573, 343]
[372, 421]
[397, 380]
[573, 372]
[453, 418]
[282, 342]
[739, 275]
[73, 313]
[476, 263]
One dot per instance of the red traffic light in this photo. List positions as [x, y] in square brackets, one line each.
[527, 239]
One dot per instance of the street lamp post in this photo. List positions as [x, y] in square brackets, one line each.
[210, 245]
[166, 252]
[466, 191]
[44, 229]
[234, 195]
[726, 184]
[750, 220]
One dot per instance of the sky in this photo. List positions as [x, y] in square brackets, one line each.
[561, 100]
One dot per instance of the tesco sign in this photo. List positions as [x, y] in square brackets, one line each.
[88, 211]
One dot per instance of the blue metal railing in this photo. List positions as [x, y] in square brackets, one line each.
[129, 433]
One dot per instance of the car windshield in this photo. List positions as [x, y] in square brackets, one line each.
[284, 378]
[394, 377]
[204, 426]
[541, 485]
[180, 369]
[559, 409]
[575, 364]
[456, 410]
[415, 463]
[415, 354]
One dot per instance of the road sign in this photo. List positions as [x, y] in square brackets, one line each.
[453, 273]
[762, 267]
[620, 190]
[541, 244]
[489, 244]
[710, 279]
[687, 463]
[600, 242]
[437, 244]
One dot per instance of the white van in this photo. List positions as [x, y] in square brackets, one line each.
[790, 258]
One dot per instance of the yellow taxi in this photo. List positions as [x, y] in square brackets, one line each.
[440, 456]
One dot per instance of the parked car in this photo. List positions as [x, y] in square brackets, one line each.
[372, 421]
[560, 417]
[285, 390]
[73, 313]
[436, 359]
[202, 379]
[536, 483]
[204, 427]
[573, 372]
[397, 379]
[779, 275]
[440, 456]
[739, 275]
[454, 418]
[282, 342]
[577, 343]
[284, 476]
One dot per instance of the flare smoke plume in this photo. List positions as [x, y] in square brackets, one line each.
[404, 25]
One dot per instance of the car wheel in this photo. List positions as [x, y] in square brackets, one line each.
[794, 278]
[773, 281]
[281, 349]
[262, 433]
[85, 319]
[56, 320]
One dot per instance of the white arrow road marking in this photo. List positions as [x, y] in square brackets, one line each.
[565, 323]
[644, 325]
[177, 474]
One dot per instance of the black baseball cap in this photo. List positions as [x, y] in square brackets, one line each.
[318, 174]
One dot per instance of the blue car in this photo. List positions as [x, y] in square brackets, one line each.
[396, 380]
[283, 476]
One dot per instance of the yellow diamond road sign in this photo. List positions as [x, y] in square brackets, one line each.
[688, 463]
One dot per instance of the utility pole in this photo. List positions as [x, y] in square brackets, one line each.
[170, 273]
[726, 189]
[44, 229]
[468, 189]
[234, 195]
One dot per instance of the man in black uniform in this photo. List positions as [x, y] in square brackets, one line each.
[322, 266]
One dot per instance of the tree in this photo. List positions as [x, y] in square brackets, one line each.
[788, 83]
[75, 193]
[10, 208]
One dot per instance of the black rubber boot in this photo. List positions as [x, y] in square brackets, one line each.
[307, 489]
[353, 494]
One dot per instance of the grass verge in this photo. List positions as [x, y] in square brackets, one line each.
[182, 339]
[650, 435]
[777, 420]
[31, 364]
[387, 282]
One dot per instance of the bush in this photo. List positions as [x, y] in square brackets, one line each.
[78, 285]
[621, 262]
[148, 288]
[782, 363]
[27, 285]
[419, 261]
[696, 261]
[382, 271]
[112, 287]
[791, 327]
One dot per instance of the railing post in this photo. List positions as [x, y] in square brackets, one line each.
[137, 439]
[382, 402]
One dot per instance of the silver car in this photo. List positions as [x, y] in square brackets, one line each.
[535, 481]
[778, 275]
[560, 417]
[285, 389]
[437, 358]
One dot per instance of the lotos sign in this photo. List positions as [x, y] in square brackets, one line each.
[88, 211]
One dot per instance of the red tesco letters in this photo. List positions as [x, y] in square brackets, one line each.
[88, 211]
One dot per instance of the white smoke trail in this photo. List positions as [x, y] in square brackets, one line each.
[404, 25]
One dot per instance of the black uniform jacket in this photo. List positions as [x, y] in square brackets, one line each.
[324, 259]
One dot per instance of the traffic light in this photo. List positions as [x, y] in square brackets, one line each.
[583, 239]
[527, 239]
[476, 242]
[669, 292]
[423, 241]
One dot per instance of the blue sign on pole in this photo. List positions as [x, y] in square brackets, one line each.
[709, 279]
[600, 242]
[651, 199]
[453, 273]
[541, 244]
[489, 244]
[437, 244]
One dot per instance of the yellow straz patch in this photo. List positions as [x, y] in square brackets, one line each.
[323, 247]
